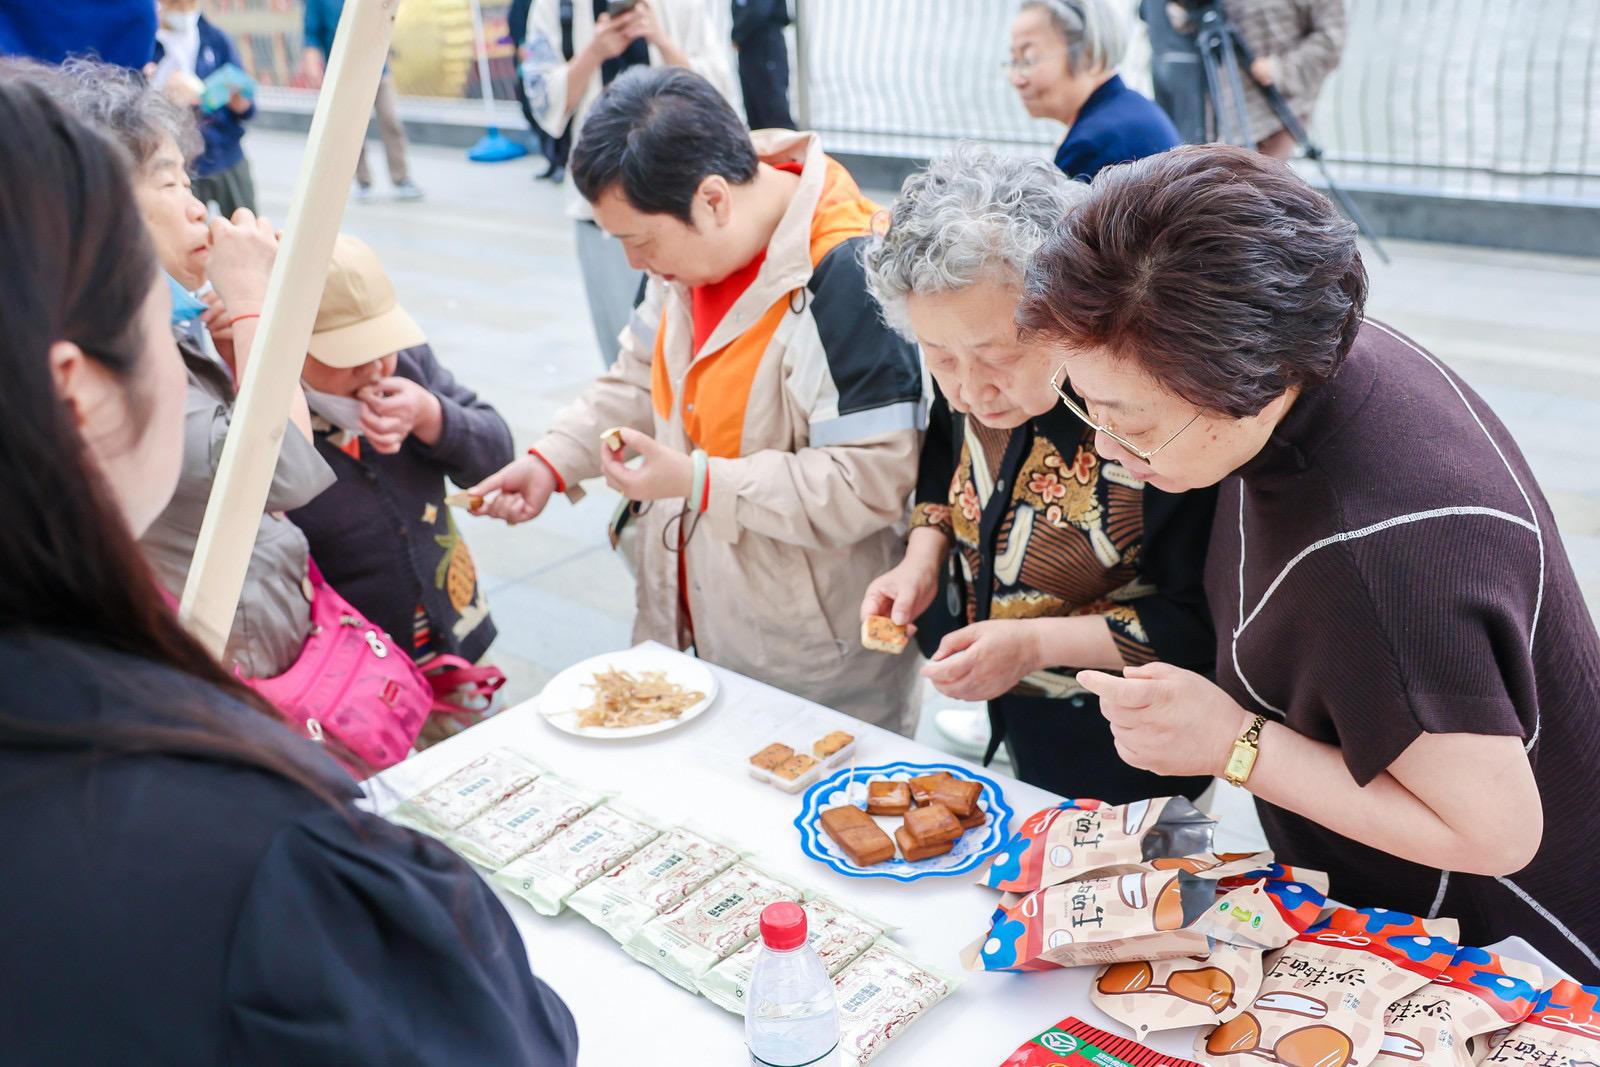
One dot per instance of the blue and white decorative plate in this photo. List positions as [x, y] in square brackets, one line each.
[972, 848]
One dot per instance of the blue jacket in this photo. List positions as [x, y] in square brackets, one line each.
[222, 129]
[321, 20]
[1116, 125]
[118, 31]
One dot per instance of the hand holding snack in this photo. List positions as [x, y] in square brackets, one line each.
[1168, 720]
[517, 492]
[985, 660]
[664, 474]
[242, 252]
[904, 593]
[396, 408]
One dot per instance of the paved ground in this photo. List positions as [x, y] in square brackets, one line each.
[486, 265]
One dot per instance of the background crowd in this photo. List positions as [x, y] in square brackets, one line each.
[1035, 409]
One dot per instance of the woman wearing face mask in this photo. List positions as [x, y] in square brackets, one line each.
[184, 881]
[1064, 56]
[1407, 675]
[1069, 562]
[274, 614]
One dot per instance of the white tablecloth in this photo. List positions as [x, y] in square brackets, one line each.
[629, 1015]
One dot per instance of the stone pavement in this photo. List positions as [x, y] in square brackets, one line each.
[486, 265]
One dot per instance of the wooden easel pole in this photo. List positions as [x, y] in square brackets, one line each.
[244, 474]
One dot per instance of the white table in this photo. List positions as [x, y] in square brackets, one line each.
[629, 1015]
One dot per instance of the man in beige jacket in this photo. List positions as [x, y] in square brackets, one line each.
[777, 417]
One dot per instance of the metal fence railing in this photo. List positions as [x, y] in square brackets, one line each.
[1492, 97]
[1497, 98]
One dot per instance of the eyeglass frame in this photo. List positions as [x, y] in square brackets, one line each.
[1145, 455]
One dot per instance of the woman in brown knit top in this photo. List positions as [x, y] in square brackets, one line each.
[1068, 561]
[1407, 675]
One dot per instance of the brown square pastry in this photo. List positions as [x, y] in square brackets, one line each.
[794, 767]
[831, 744]
[769, 758]
[922, 787]
[957, 794]
[977, 818]
[857, 835]
[882, 634]
[912, 851]
[932, 825]
[888, 798]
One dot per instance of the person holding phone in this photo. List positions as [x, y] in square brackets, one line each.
[572, 50]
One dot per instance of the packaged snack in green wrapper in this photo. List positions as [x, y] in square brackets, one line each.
[652, 880]
[837, 936]
[524, 820]
[469, 792]
[709, 925]
[546, 876]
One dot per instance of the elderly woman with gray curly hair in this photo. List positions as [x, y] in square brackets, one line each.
[1066, 561]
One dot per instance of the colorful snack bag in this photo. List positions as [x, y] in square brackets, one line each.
[1151, 996]
[1324, 996]
[709, 925]
[1146, 914]
[1074, 1043]
[838, 937]
[1477, 994]
[655, 878]
[525, 819]
[1563, 1030]
[1080, 838]
[1265, 908]
[474, 789]
[546, 876]
[881, 993]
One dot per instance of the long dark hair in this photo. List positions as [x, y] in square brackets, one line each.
[77, 265]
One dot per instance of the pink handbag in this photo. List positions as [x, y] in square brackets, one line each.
[353, 684]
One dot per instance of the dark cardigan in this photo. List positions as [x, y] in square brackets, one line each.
[1115, 125]
[382, 534]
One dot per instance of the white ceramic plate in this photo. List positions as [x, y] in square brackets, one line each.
[568, 692]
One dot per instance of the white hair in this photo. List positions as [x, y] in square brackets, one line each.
[973, 214]
[1095, 30]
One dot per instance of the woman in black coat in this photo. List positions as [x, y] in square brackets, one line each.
[183, 880]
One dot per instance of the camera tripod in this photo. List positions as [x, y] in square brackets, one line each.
[1191, 69]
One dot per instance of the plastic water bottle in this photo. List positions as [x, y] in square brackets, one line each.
[791, 1014]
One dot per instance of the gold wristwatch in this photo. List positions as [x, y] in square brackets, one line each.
[1242, 760]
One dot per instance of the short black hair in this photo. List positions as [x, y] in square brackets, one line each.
[657, 133]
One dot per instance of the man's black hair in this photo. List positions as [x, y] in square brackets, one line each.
[656, 133]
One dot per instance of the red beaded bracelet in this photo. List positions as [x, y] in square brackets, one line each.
[240, 318]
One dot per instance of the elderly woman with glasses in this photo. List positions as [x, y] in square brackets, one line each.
[1064, 56]
[1407, 674]
[1067, 561]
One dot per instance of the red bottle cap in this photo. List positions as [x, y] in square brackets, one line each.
[783, 926]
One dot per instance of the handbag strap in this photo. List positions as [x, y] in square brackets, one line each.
[448, 675]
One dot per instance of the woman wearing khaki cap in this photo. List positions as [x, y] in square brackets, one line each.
[394, 424]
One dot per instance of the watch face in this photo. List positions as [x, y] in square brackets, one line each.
[1240, 762]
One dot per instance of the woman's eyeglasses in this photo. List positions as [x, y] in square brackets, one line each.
[1060, 376]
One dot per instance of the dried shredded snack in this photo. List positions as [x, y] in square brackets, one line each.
[1082, 838]
[1074, 1043]
[1479, 993]
[1563, 1031]
[837, 936]
[474, 789]
[710, 925]
[652, 880]
[523, 821]
[881, 993]
[546, 876]
[624, 699]
[1324, 996]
